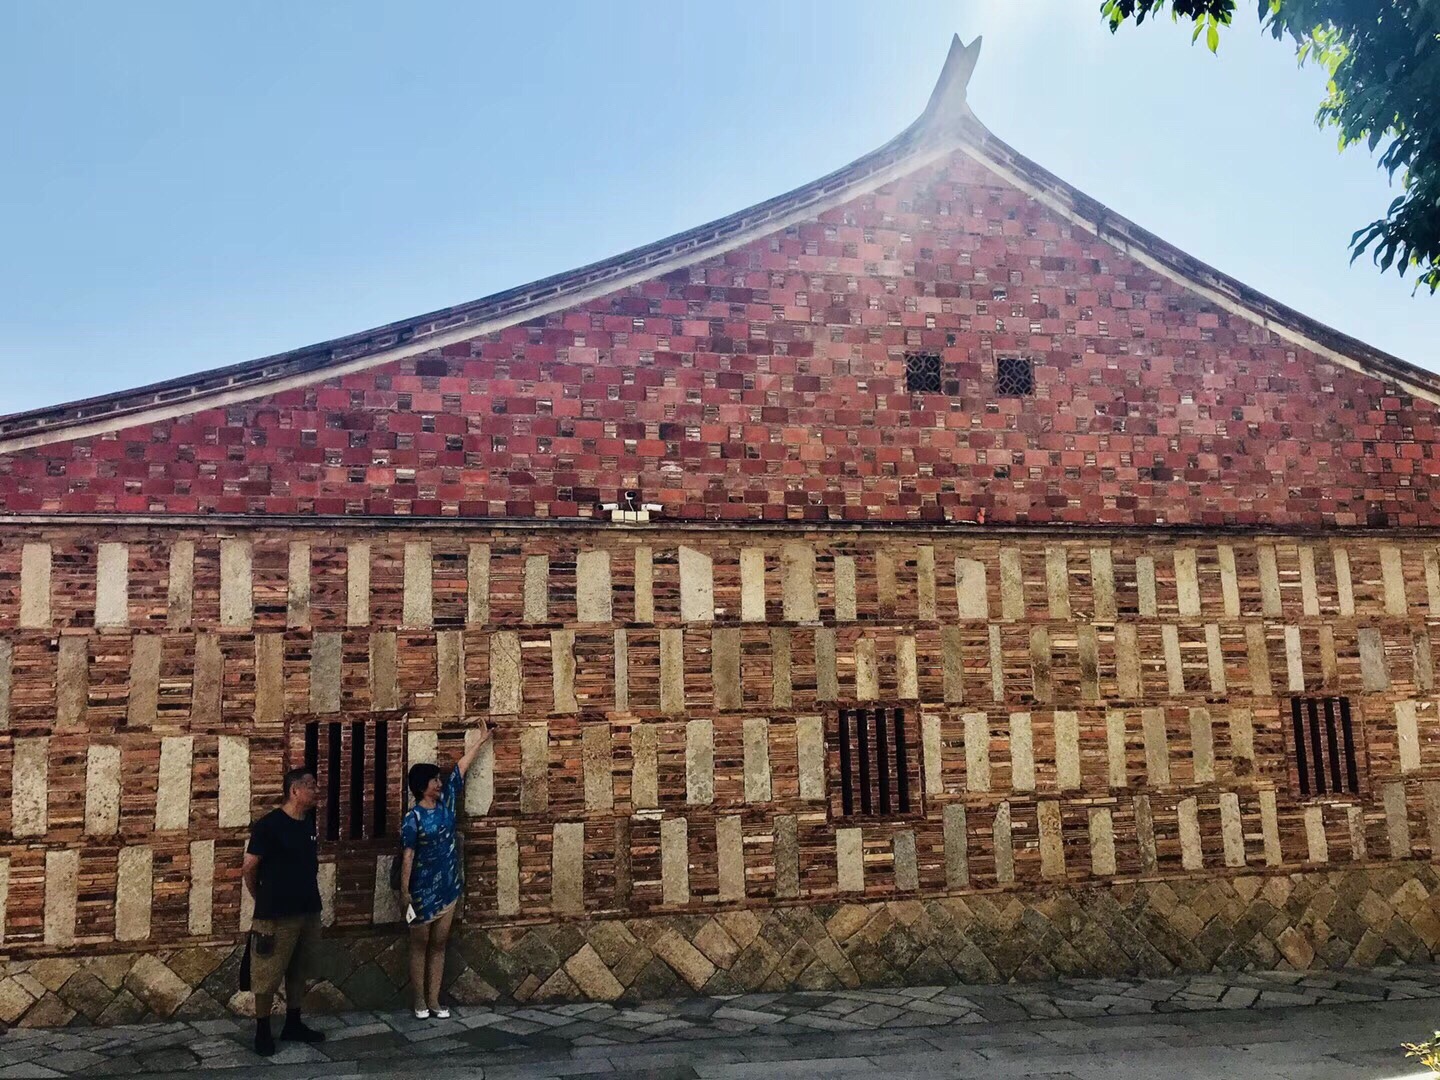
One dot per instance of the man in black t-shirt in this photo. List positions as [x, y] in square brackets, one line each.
[281, 868]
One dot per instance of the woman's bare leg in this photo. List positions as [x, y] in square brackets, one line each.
[439, 936]
[419, 946]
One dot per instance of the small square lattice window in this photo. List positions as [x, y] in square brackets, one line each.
[922, 373]
[1014, 377]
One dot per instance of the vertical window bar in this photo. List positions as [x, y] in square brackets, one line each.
[902, 763]
[847, 790]
[312, 748]
[1299, 727]
[357, 780]
[1337, 779]
[1351, 770]
[882, 761]
[862, 735]
[1320, 786]
[381, 794]
[332, 781]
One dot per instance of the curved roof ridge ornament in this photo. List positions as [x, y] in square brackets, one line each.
[947, 106]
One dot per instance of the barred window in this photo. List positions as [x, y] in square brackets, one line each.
[922, 373]
[1323, 746]
[359, 768]
[1014, 377]
[877, 763]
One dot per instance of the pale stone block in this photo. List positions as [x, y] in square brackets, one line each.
[1432, 817]
[172, 797]
[925, 583]
[1229, 581]
[1174, 663]
[567, 868]
[977, 752]
[591, 977]
[534, 768]
[1040, 662]
[644, 789]
[1355, 822]
[357, 584]
[697, 586]
[952, 665]
[477, 584]
[180, 589]
[1422, 660]
[1329, 662]
[1392, 573]
[867, 673]
[1319, 846]
[599, 769]
[827, 685]
[297, 586]
[797, 579]
[1192, 856]
[730, 856]
[202, 887]
[449, 673]
[700, 762]
[1309, 593]
[1397, 820]
[594, 596]
[1343, 584]
[622, 672]
[907, 868]
[562, 671]
[957, 850]
[1202, 745]
[1215, 659]
[30, 787]
[1294, 660]
[237, 584]
[1012, 585]
[1022, 752]
[1407, 733]
[1270, 604]
[1102, 583]
[1432, 580]
[844, 588]
[1102, 841]
[725, 668]
[422, 747]
[997, 664]
[782, 690]
[787, 856]
[1374, 673]
[1232, 830]
[1089, 651]
[325, 881]
[1052, 841]
[234, 808]
[134, 886]
[752, 585]
[1187, 583]
[1157, 746]
[1258, 654]
[72, 682]
[326, 662]
[932, 751]
[1242, 741]
[385, 901]
[672, 672]
[886, 584]
[419, 585]
[62, 876]
[1145, 584]
[7, 674]
[505, 686]
[385, 675]
[507, 872]
[1127, 661]
[480, 781]
[644, 585]
[1057, 581]
[1145, 835]
[907, 669]
[35, 587]
[972, 591]
[536, 589]
[141, 707]
[757, 759]
[102, 789]
[1003, 843]
[1270, 828]
[675, 861]
[810, 750]
[1115, 748]
[850, 860]
[208, 682]
[1067, 749]
[269, 678]
[112, 586]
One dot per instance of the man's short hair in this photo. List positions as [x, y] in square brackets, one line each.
[294, 776]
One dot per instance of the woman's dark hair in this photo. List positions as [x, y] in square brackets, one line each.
[420, 777]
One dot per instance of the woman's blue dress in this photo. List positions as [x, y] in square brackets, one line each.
[435, 870]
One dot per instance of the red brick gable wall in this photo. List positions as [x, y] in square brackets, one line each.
[768, 383]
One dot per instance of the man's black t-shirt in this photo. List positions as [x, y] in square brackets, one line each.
[289, 866]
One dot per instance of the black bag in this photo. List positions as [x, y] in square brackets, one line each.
[245, 966]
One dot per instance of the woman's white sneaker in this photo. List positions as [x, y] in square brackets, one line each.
[422, 1014]
[440, 1012]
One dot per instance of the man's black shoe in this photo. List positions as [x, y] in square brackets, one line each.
[296, 1031]
[264, 1039]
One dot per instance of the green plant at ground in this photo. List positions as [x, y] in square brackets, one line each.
[1427, 1052]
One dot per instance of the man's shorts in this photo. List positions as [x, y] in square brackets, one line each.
[281, 946]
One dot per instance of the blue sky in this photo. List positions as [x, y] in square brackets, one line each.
[187, 185]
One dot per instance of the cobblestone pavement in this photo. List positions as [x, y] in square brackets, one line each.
[1256, 1026]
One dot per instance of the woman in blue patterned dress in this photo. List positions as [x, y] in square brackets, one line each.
[430, 878]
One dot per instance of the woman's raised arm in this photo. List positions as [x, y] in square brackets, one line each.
[468, 758]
